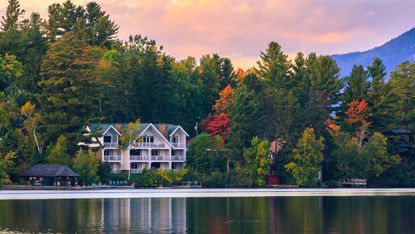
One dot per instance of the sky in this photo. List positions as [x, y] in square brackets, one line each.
[241, 29]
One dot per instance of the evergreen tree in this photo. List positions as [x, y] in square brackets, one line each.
[377, 95]
[246, 119]
[357, 86]
[67, 99]
[400, 102]
[12, 17]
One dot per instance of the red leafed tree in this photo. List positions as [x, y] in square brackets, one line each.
[357, 114]
[226, 98]
[218, 125]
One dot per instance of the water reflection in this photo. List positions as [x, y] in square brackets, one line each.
[212, 215]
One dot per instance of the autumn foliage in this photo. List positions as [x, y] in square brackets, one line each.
[358, 114]
[332, 128]
[218, 125]
[226, 99]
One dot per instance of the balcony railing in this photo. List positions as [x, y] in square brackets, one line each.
[138, 158]
[116, 171]
[136, 171]
[160, 158]
[178, 145]
[178, 158]
[148, 145]
[111, 144]
[112, 158]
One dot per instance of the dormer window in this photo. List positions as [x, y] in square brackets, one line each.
[148, 139]
[175, 139]
[107, 139]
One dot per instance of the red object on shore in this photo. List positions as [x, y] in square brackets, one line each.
[273, 180]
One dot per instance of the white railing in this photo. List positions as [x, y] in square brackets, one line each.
[160, 158]
[178, 158]
[148, 145]
[138, 158]
[116, 171]
[111, 144]
[112, 158]
[136, 171]
[178, 145]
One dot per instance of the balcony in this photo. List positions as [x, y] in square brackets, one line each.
[138, 158]
[178, 145]
[112, 158]
[116, 171]
[160, 158]
[148, 145]
[178, 158]
[110, 144]
[136, 171]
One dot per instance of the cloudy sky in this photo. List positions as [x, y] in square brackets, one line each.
[240, 29]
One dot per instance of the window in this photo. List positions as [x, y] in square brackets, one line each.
[173, 152]
[107, 139]
[106, 153]
[134, 165]
[154, 152]
[175, 139]
[135, 152]
[148, 139]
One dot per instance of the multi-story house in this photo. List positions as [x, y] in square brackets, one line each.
[157, 146]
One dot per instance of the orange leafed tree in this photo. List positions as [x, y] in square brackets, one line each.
[357, 114]
[332, 128]
[226, 98]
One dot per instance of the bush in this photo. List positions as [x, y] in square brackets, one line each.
[215, 180]
[332, 183]
[147, 179]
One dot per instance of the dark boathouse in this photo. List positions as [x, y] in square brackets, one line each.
[50, 175]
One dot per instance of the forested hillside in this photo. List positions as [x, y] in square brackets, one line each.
[64, 72]
[392, 53]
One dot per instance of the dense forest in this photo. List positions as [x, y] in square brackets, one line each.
[59, 74]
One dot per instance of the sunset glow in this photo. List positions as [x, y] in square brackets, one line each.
[240, 29]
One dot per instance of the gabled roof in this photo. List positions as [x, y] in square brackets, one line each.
[112, 127]
[104, 127]
[49, 170]
[177, 128]
[158, 131]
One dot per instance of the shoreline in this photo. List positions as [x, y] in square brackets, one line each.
[189, 193]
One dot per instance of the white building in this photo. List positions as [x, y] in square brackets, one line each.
[157, 146]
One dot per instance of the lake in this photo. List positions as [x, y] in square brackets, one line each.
[377, 214]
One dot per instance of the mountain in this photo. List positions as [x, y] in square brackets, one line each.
[392, 53]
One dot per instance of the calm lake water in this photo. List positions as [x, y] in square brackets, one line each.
[212, 215]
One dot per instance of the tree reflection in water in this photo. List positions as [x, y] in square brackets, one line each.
[212, 215]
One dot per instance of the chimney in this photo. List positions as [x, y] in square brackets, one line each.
[163, 129]
[118, 126]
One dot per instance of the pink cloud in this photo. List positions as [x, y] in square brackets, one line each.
[240, 29]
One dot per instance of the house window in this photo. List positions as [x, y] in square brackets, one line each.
[175, 139]
[107, 139]
[106, 153]
[154, 152]
[148, 139]
[134, 165]
[173, 152]
[135, 152]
